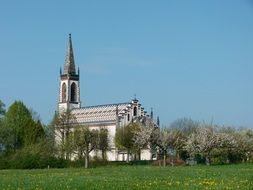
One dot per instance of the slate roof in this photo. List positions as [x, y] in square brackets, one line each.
[100, 114]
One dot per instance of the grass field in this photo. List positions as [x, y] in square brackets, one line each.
[132, 177]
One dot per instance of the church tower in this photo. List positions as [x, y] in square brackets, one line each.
[69, 97]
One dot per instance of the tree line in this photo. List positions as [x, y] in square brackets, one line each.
[188, 141]
[26, 143]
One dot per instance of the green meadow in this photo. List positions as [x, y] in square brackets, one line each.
[131, 177]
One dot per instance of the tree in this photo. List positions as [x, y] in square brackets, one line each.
[2, 109]
[103, 144]
[85, 141]
[166, 140]
[2, 135]
[63, 125]
[226, 145]
[185, 125]
[20, 128]
[202, 142]
[183, 128]
[124, 138]
[34, 132]
[142, 137]
[247, 136]
[243, 151]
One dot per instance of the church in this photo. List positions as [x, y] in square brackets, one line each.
[109, 116]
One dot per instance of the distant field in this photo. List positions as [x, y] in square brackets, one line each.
[132, 177]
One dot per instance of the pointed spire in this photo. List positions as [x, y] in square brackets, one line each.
[151, 114]
[69, 67]
[158, 121]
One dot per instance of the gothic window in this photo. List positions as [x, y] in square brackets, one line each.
[135, 111]
[63, 91]
[128, 117]
[73, 93]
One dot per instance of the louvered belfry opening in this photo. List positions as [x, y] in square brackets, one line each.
[73, 92]
[64, 92]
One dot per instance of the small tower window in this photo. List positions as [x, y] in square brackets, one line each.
[135, 111]
[73, 92]
[63, 92]
[128, 117]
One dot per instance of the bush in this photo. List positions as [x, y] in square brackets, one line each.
[4, 164]
[38, 155]
[140, 162]
[172, 161]
[97, 161]
[75, 163]
[24, 160]
[200, 159]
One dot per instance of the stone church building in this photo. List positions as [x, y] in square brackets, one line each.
[109, 116]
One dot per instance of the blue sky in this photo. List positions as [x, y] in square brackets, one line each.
[183, 58]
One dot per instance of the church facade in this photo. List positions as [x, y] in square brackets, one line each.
[109, 116]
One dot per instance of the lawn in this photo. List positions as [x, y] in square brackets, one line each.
[132, 177]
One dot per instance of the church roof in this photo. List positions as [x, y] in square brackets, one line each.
[69, 67]
[99, 114]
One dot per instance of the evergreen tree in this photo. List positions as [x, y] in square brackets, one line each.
[2, 110]
[20, 128]
[2, 135]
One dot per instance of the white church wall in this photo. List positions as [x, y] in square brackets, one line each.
[146, 154]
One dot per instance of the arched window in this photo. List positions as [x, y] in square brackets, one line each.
[135, 111]
[63, 92]
[73, 93]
